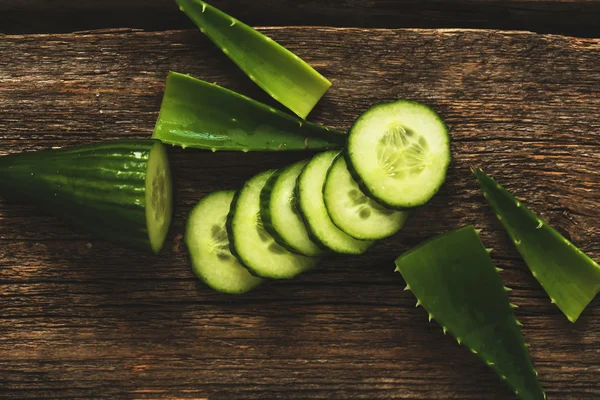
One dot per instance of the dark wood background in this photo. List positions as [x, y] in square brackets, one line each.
[82, 319]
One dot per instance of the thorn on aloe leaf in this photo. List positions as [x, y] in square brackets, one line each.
[518, 322]
[507, 289]
[444, 330]
[489, 250]
[430, 317]
[499, 269]
[512, 305]
[396, 270]
[458, 340]
[478, 231]
[418, 303]
[407, 287]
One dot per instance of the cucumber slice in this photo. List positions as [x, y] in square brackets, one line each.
[118, 190]
[208, 245]
[280, 213]
[312, 206]
[352, 211]
[399, 153]
[254, 247]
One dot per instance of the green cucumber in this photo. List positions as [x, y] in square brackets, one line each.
[309, 190]
[354, 213]
[253, 246]
[208, 245]
[118, 190]
[206, 116]
[399, 153]
[280, 213]
[279, 72]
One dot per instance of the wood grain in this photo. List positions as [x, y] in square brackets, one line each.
[81, 319]
[570, 17]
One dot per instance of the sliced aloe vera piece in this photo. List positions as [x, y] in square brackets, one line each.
[278, 71]
[456, 282]
[569, 276]
[203, 115]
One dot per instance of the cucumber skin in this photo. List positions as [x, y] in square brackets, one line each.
[98, 187]
[359, 180]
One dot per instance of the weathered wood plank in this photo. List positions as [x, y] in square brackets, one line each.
[80, 318]
[571, 17]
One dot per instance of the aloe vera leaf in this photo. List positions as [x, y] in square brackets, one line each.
[456, 282]
[569, 276]
[204, 115]
[278, 71]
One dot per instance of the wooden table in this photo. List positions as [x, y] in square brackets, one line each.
[82, 319]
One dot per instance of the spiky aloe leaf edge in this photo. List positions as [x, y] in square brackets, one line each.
[279, 72]
[569, 276]
[456, 282]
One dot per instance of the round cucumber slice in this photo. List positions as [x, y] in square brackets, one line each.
[208, 245]
[280, 212]
[159, 196]
[354, 213]
[253, 245]
[312, 206]
[399, 153]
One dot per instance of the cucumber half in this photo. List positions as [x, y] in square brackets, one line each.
[254, 247]
[118, 190]
[312, 206]
[208, 245]
[280, 213]
[354, 213]
[399, 153]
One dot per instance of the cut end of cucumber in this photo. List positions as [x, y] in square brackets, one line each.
[159, 196]
[399, 152]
